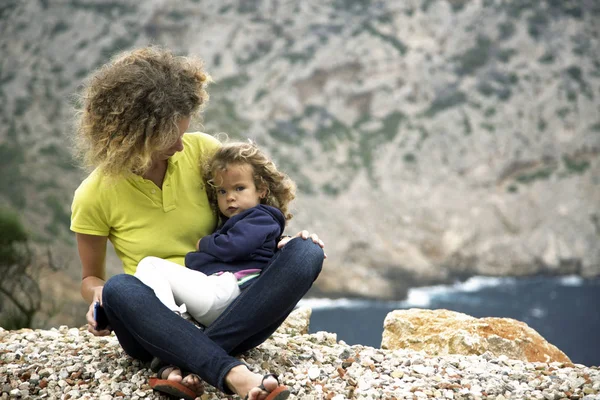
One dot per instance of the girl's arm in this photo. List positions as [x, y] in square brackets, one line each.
[92, 253]
[304, 235]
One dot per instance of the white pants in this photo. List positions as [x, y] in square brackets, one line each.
[180, 288]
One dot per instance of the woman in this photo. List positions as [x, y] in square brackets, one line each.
[144, 195]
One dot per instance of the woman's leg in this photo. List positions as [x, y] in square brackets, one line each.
[146, 328]
[263, 306]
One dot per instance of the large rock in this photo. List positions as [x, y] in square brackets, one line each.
[297, 322]
[439, 332]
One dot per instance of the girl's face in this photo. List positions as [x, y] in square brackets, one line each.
[236, 191]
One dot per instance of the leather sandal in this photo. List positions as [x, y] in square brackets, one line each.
[172, 388]
[281, 392]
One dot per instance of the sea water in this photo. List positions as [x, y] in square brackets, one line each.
[564, 310]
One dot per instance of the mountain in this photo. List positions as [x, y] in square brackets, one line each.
[431, 140]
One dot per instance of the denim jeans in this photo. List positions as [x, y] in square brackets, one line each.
[146, 328]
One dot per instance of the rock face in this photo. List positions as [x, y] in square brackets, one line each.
[471, 125]
[438, 332]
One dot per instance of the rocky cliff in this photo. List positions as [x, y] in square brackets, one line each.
[430, 139]
[73, 364]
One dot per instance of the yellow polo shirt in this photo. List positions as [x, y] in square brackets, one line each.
[143, 220]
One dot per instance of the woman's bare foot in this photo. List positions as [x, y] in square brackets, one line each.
[191, 381]
[245, 383]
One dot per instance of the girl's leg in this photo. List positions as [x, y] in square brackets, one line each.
[225, 290]
[205, 297]
[263, 306]
[149, 271]
[146, 328]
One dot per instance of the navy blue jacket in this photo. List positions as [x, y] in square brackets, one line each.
[247, 240]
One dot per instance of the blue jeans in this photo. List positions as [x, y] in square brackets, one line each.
[146, 328]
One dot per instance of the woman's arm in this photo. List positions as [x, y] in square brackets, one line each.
[92, 253]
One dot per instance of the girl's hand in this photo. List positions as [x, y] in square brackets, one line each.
[304, 235]
[90, 315]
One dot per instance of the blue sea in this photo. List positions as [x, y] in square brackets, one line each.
[564, 310]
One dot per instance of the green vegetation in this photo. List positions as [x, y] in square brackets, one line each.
[59, 28]
[370, 141]
[563, 112]
[248, 7]
[537, 23]
[498, 84]
[506, 30]
[106, 8]
[331, 131]
[571, 8]
[489, 112]
[391, 123]
[488, 127]
[22, 104]
[392, 40]
[474, 58]
[260, 94]
[298, 57]
[449, 98]
[542, 124]
[457, 5]
[20, 294]
[176, 15]
[574, 72]
[329, 189]
[60, 217]
[582, 45]
[261, 49]
[12, 181]
[468, 128]
[547, 58]
[505, 55]
[352, 5]
[225, 9]
[575, 166]
[409, 158]
[540, 174]
[426, 4]
[226, 84]
[222, 111]
[515, 8]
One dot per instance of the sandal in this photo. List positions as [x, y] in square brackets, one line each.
[172, 388]
[279, 393]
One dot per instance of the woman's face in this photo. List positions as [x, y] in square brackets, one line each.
[183, 126]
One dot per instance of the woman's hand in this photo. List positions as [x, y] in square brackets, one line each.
[92, 253]
[90, 314]
[304, 235]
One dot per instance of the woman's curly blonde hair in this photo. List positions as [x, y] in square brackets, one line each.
[281, 190]
[132, 105]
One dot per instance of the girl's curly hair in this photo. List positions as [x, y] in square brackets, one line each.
[281, 190]
[131, 107]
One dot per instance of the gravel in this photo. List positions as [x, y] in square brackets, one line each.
[70, 363]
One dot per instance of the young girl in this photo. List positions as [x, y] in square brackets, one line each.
[252, 199]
